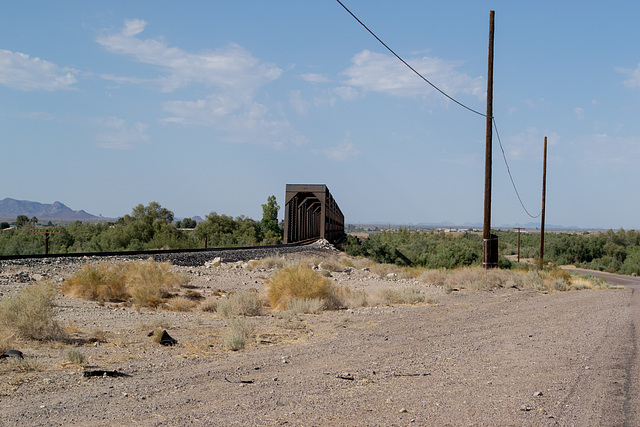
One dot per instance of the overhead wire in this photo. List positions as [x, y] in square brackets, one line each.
[409, 66]
[495, 125]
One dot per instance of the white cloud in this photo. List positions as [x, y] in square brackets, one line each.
[232, 75]
[377, 72]
[229, 67]
[118, 135]
[347, 93]
[20, 71]
[634, 80]
[579, 112]
[342, 151]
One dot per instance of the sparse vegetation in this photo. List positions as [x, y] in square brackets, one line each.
[390, 296]
[74, 356]
[241, 303]
[144, 283]
[29, 314]
[301, 282]
[238, 330]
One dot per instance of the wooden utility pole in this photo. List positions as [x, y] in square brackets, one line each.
[486, 230]
[544, 197]
[518, 228]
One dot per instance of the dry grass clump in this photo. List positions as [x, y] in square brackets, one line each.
[181, 304]
[305, 305]
[301, 282]
[144, 283]
[74, 356]
[210, 305]
[241, 303]
[238, 330]
[29, 314]
[390, 296]
[331, 265]
[272, 262]
[102, 282]
[384, 269]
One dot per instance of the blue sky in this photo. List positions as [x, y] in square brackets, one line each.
[209, 106]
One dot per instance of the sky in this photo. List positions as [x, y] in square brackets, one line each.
[212, 106]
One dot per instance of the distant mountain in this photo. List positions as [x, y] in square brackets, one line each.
[11, 208]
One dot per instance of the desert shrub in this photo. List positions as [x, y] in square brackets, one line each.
[102, 282]
[144, 283]
[238, 330]
[210, 305]
[390, 296]
[74, 356]
[29, 314]
[300, 282]
[272, 262]
[331, 265]
[305, 305]
[355, 299]
[434, 277]
[242, 303]
[181, 304]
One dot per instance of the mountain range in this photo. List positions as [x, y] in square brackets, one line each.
[11, 208]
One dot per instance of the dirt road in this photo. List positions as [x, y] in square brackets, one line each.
[485, 358]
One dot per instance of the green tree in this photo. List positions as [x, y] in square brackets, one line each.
[4, 225]
[22, 220]
[34, 220]
[187, 223]
[269, 224]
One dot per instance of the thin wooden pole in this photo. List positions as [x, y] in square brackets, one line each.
[486, 229]
[544, 197]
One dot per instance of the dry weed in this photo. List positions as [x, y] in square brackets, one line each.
[74, 356]
[242, 303]
[29, 314]
[181, 304]
[102, 282]
[300, 282]
[390, 296]
[305, 305]
[238, 330]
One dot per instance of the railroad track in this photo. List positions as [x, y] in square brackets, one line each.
[176, 256]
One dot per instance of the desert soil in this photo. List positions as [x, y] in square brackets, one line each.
[475, 358]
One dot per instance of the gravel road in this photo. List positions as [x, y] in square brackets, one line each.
[476, 358]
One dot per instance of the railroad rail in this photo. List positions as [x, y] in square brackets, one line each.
[160, 253]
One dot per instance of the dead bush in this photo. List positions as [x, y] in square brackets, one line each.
[305, 305]
[390, 296]
[181, 304]
[102, 282]
[238, 330]
[29, 314]
[241, 303]
[300, 282]
[144, 283]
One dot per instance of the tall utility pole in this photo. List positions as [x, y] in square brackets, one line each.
[486, 230]
[544, 198]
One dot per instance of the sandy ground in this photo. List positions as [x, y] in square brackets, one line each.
[475, 358]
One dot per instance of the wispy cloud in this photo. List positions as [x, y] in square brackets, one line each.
[376, 72]
[343, 150]
[231, 75]
[633, 81]
[607, 150]
[22, 72]
[231, 66]
[117, 134]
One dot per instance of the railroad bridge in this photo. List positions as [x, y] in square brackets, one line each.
[311, 212]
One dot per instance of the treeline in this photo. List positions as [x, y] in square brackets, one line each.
[147, 227]
[612, 251]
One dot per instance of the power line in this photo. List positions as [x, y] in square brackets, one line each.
[449, 97]
[409, 66]
[509, 171]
